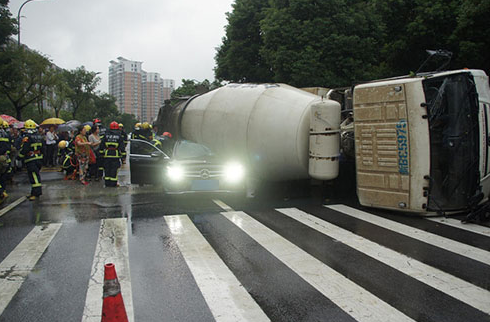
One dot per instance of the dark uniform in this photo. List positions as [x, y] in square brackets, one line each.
[139, 135]
[100, 159]
[31, 152]
[112, 151]
[125, 141]
[5, 147]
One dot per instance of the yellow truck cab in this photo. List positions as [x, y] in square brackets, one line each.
[422, 142]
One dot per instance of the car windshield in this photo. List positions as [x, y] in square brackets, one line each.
[190, 150]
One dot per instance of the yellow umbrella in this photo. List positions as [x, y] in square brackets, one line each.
[52, 121]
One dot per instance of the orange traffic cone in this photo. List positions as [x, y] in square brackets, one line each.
[113, 309]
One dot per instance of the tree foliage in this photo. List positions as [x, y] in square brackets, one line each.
[81, 84]
[239, 55]
[8, 25]
[338, 42]
[24, 76]
[192, 87]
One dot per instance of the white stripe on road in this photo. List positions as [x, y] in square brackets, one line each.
[17, 265]
[9, 207]
[453, 286]
[226, 297]
[223, 206]
[474, 228]
[415, 233]
[112, 247]
[350, 297]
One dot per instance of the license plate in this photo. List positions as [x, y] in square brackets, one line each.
[205, 185]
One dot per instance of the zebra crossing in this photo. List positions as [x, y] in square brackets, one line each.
[286, 264]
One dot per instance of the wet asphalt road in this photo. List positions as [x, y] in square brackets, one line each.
[165, 289]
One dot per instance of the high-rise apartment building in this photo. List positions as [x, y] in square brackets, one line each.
[136, 91]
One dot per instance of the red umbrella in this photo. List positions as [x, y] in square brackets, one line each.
[10, 119]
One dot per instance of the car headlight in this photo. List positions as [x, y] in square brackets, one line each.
[175, 173]
[234, 172]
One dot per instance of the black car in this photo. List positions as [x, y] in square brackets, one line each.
[183, 166]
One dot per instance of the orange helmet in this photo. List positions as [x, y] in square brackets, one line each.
[168, 134]
[114, 126]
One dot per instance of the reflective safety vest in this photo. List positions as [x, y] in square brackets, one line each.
[112, 145]
[31, 149]
[5, 142]
[157, 143]
[102, 132]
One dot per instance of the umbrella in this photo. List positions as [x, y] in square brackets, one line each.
[19, 125]
[10, 119]
[53, 121]
[65, 128]
[74, 124]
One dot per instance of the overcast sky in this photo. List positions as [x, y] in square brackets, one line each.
[176, 38]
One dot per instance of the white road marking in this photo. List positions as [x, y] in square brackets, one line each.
[223, 206]
[112, 247]
[474, 228]
[6, 209]
[226, 297]
[350, 297]
[17, 265]
[453, 286]
[415, 233]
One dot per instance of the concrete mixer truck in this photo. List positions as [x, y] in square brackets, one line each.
[421, 143]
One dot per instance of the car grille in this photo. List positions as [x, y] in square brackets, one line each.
[203, 171]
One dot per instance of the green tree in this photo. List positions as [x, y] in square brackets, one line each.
[412, 26]
[192, 87]
[8, 26]
[82, 84]
[58, 93]
[24, 76]
[128, 120]
[471, 35]
[105, 107]
[320, 43]
[239, 59]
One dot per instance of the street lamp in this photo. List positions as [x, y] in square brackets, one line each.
[18, 21]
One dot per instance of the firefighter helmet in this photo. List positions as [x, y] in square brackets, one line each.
[121, 125]
[145, 126]
[114, 126]
[30, 124]
[167, 134]
[62, 144]
[5, 124]
[137, 126]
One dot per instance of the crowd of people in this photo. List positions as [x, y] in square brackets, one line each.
[84, 154]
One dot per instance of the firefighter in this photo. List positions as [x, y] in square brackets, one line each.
[125, 140]
[11, 149]
[5, 146]
[167, 143]
[146, 133]
[102, 130]
[69, 162]
[137, 133]
[112, 150]
[31, 152]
